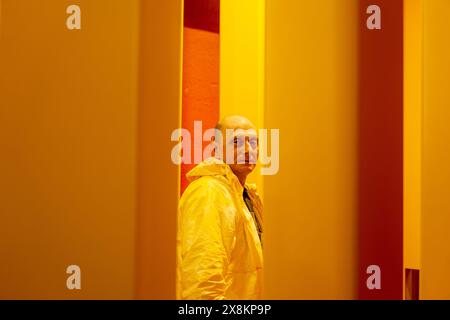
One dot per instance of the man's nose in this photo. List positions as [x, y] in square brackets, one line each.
[248, 146]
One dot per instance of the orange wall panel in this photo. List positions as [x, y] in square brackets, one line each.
[413, 109]
[200, 86]
[158, 177]
[68, 110]
[310, 245]
[435, 238]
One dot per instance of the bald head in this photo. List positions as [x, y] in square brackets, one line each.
[235, 122]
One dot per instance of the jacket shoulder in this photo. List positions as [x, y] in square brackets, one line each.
[207, 187]
[208, 198]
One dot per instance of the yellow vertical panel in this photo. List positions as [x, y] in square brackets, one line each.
[311, 96]
[435, 259]
[158, 180]
[68, 107]
[413, 58]
[242, 48]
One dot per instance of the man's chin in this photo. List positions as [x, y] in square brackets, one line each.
[246, 167]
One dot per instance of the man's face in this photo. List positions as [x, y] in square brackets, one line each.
[241, 149]
[246, 148]
[239, 144]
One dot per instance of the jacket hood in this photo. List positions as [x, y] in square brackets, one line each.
[209, 167]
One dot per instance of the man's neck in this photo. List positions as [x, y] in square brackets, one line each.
[242, 180]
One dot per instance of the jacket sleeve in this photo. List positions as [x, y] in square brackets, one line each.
[206, 226]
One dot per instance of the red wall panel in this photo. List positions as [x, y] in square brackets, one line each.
[381, 150]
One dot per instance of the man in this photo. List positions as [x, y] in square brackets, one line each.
[219, 250]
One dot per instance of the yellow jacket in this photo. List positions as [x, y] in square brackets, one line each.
[219, 254]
